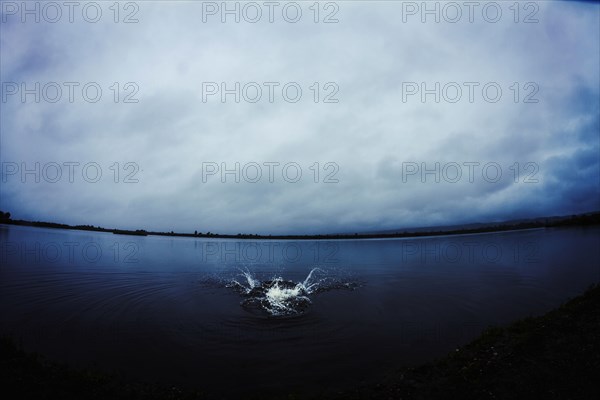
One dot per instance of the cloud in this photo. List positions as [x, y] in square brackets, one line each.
[371, 136]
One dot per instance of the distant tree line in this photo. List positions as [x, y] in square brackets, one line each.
[4, 216]
[573, 220]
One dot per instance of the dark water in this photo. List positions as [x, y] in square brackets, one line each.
[164, 309]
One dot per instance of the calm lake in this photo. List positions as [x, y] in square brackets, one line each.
[238, 316]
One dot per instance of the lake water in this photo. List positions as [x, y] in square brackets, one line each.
[211, 314]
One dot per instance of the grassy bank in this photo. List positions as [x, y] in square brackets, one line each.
[554, 356]
[31, 376]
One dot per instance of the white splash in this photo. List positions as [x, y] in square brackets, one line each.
[277, 296]
[252, 283]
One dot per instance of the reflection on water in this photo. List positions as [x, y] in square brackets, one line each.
[301, 315]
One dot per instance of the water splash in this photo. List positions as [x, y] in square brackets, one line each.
[281, 297]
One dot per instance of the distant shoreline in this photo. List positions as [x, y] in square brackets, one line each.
[587, 219]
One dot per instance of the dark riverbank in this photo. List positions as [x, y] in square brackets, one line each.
[587, 219]
[554, 356]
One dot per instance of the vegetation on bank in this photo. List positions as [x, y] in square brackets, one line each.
[586, 219]
[554, 356]
[31, 376]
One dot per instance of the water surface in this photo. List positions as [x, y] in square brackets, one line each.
[192, 312]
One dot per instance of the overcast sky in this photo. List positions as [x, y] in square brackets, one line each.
[371, 139]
